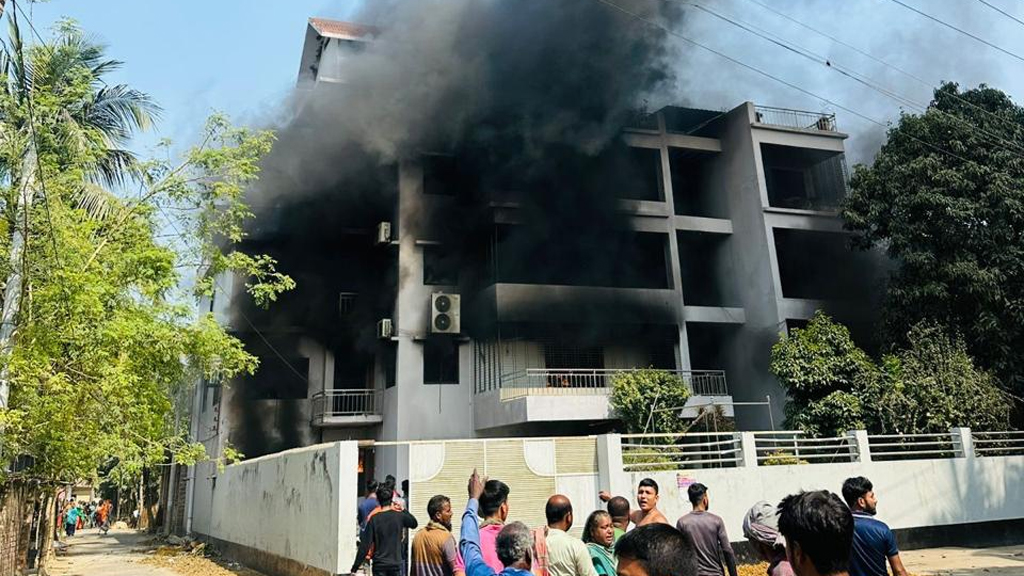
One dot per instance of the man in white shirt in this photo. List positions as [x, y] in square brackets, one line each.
[567, 556]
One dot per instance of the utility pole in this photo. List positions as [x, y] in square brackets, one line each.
[13, 287]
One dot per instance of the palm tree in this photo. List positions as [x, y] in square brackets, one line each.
[99, 120]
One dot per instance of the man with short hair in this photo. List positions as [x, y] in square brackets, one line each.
[818, 529]
[708, 534]
[384, 532]
[434, 551]
[567, 556]
[493, 505]
[368, 504]
[513, 544]
[655, 550]
[618, 509]
[647, 499]
[873, 541]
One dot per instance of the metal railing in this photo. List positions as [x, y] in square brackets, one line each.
[912, 446]
[800, 119]
[998, 443]
[559, 382]
[648, 452]
[333, 404]
[777, 448]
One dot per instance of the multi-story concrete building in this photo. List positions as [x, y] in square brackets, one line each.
[722, 232]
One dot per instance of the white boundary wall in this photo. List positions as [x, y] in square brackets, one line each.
[298, 504]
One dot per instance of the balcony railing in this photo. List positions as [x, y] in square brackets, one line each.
[800, 119]
[339, 406]
[581, 381]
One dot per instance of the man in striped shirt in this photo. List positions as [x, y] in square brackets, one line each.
[434, 551]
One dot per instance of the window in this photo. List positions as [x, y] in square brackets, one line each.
[440, 361]
[439, 268]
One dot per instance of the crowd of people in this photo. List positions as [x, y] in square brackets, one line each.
[812, 533]
[76, 515]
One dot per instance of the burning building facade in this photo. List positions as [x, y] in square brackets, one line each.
[492, 280]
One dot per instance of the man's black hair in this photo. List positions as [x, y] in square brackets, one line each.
[661, 549]
[618, 507]
[649, 482]
[436, 504]
[854, 488]
[556, 510]
[371, 485]
[495, 494]
[390, 478]
[385, 492]
[823, 527]
[696, 492]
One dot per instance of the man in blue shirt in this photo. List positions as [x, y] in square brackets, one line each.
[514, 544]
[368, 504]
[873, 541]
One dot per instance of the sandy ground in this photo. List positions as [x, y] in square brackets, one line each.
[131, 553]
[1005, 561]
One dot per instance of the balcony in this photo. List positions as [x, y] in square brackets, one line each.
[557, 395]
[797, 119]
[340, 408]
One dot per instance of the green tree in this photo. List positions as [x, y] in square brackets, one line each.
[929, 386]
[945, 198]
[104, 337]
[642, 400]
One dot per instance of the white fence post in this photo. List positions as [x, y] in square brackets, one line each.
[963, 442]
[748, 449]
[860, 448]
[610, 472]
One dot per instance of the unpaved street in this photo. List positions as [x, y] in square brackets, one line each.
[1004, 561]
[130, 553]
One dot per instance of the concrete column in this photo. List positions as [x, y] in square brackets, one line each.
[859, 447]
[748, 449]
[963, 442]
[610, 474]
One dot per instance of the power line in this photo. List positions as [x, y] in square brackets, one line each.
[1003, 12]
[918, 79]
[960, 30]
[770, 76]
[849, 73]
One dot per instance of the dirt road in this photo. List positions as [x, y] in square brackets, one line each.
[130, 553]
[1005, 561]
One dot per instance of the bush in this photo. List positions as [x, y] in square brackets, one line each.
[640, 398]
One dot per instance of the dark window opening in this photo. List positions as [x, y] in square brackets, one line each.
[821, 266]
[639, 174]
[440, 268]
[279, 379]
[802, 178]
[389, 361]
[707, 269]
[440, 361]
[692, 190]
[568, 356]
[352, 370]
[795, 324]
[346, 304]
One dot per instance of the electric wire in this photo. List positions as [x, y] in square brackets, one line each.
[853, 75]
[960, 30]
[1003, 12]
[918, 79]
[770, 76]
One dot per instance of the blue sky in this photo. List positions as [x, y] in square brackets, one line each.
[193, 57]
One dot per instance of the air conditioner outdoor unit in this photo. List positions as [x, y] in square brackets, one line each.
[384, 233]
[445, 313]
[385, 330]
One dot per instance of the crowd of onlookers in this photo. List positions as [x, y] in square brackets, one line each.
[813, 533]
[76, 515]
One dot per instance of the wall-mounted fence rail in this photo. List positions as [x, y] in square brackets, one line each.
[998, 443]
[653, 452]
[795, 448]
[683, 451]
[912, 446]
[800, 119]
[332, 406]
